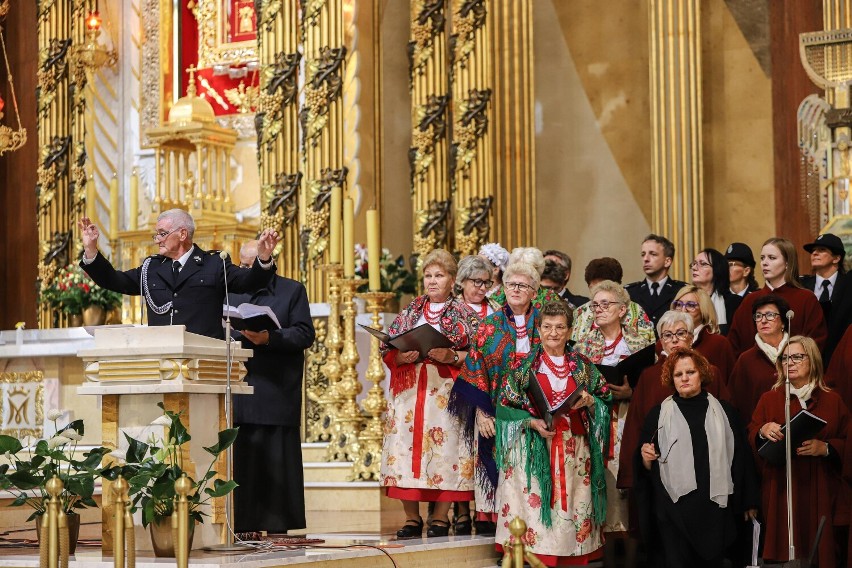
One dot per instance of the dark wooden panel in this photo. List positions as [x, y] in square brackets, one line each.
[19, 243]
[790, 84]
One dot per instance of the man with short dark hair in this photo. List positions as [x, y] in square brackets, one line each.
[827, 254]
[557, 273]
[657, 291]
[605, 268]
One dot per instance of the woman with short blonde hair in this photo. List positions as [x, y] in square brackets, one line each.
[696, 304]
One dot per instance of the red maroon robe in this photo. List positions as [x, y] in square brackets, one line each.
[650, 392]
[839, 373]
[808, 320]
[753, 375]
[816, 480]
[718, 351]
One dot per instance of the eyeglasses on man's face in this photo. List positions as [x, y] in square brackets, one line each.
[768, 316]
[603, 305]
[681, 334]
[518, 286]
[161, 235]
[688, 306]
[481, 283]
[796, 358]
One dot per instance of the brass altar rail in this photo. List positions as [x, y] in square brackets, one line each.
[54, 545]
[124, 538]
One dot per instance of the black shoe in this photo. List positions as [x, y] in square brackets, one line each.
[438, 528]
[411, 529]
[486, 528]
[462, 525]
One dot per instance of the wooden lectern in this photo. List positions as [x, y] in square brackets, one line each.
[134, 368]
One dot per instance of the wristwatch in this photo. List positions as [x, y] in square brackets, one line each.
[455, 357]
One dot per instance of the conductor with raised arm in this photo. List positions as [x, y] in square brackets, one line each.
[183, 284]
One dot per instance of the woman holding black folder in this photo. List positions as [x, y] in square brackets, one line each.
[423, 456]
[816, 462]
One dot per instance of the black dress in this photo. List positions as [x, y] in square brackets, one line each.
[695, 531]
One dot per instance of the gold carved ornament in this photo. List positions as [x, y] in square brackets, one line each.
[10, 140]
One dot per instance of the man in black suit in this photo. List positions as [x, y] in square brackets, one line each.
[559, 285]
[827, 254]
[182, 284]
[268, 452]
[657, 291]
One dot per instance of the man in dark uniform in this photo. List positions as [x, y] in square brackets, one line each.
[268, 452]
[741, 269]
[827, 254]
[657, 291]
[183, 284]
[560, 287]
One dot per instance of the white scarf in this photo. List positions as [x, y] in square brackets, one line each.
[803, 393]
[678, 473]
[772, 352]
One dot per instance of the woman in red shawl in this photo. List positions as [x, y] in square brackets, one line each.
[816, 463]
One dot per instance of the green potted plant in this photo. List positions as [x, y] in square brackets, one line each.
[151, 468]
[29, 468]
[74, 293]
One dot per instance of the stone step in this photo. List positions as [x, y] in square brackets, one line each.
[313, 451]
[347, 496]
[327, 471]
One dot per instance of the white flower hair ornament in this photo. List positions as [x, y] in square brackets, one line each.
[497, 255]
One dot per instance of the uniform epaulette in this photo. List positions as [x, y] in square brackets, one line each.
[632, 284]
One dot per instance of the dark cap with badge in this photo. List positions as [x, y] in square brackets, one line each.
[741, 252]
[830, 242]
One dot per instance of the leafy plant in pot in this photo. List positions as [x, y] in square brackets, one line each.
[153, 466]
[30, 467]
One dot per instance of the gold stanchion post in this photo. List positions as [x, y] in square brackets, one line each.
[345, 446]
[329, 401]
[124, 546]
[515, 555]
[180, 521]
[53, 526]
[366, 466]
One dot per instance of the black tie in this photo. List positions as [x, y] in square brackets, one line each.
[654, 287]
[175, 270]
[824, 298]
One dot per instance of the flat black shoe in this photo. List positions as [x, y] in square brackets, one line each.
[485, 528]
[462, 525]
[411, 529]
[438, 528]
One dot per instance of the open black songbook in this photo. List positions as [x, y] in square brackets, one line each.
[803, 426]
[631, 367]
[251, 317]
[422, 339]
[547, 410]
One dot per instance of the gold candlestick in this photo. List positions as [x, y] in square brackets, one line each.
[349, 423]
[329, 400]
[369, 460]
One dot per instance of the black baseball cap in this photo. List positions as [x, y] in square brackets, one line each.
[830, 242]
[741, 252]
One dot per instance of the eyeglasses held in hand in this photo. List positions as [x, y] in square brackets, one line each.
[681, 334]
[603, 305]
[518, 286]
[688, 306]
[768, 316]
[665, 459]
[483, 283]
[161, 235]
[794, 358]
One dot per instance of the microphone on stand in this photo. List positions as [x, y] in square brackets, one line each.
[788, 452]
[229, 544]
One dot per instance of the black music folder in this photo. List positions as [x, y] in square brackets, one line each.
[545, 409]
[631, 367]
[803, 426]
[422, 339]
[251, 317]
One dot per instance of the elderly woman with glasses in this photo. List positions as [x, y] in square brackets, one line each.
[503, 348]
[708, 341]
[816, 463]
[607, 342]
[533, 257]
[552, 476]
[710, 273]
[779, 263]
[423, 458]
[754, 372]
[693, 469]
[473, 283]
[676, 331]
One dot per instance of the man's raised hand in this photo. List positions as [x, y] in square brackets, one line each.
[89, 234]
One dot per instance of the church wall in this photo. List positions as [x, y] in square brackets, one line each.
[593, 157]
[737, 129]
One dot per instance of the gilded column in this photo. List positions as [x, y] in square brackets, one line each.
[57, 153]
[278, 128]
[322, 133]
[677, 198]
[471, 151]
[428, 155]
[513, 122]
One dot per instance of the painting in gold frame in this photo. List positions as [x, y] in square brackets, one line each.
[227, 32]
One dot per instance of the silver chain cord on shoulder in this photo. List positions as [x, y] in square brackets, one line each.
[159, 310]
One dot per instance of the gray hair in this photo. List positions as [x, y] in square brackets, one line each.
[613, 288]
[180, 220]
[522, 269]
[469, 267]
[528, 255]
[672, 317]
